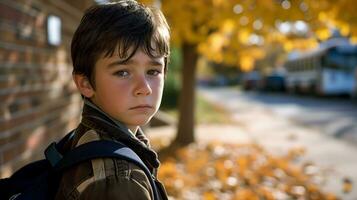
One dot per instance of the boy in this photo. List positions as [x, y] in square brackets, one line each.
[120, 53]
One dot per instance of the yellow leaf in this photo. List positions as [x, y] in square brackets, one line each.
[209, 196]
[347, 185]
[246, 63]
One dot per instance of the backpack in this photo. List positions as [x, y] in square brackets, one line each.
[40, 179]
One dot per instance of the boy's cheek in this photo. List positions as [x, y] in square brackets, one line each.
[161, 90]
[157, 85]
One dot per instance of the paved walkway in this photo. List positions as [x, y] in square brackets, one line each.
[336, 158]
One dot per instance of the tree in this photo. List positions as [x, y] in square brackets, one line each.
[188, 35]
[229, 31]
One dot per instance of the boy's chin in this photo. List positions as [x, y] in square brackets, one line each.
[141, 122]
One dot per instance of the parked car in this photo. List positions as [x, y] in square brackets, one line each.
[273, 82]
[251, 81]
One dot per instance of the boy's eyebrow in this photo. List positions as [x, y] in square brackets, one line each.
[128, 62]
[118, 62]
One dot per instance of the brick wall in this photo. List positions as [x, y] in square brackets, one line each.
[38, 100]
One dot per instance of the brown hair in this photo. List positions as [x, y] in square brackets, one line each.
[122, 27]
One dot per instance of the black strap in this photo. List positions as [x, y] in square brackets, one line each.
[52, 154]
[65, 139]
[97, 149]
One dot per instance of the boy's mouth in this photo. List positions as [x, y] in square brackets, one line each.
[142, 106]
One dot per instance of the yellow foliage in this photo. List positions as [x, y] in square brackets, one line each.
[246, 63]
[248, 56]
[147, 2]
[209, 196]
[323, 34]
[169, 169]
[343, 27]
[216, 42]
[217, 2]
[266, 193]
[288, 46]
[240, 172]
[246, 194]
[323, 16]
[243, 36]
[221, 35]
[227, 26]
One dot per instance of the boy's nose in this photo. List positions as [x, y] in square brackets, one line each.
[142, 87]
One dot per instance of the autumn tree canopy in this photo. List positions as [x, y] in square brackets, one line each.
[233, 32]
[228, 31]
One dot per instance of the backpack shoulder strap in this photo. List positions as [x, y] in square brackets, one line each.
[97, 149]
[52, 152]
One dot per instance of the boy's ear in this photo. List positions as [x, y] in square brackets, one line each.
[83, 85]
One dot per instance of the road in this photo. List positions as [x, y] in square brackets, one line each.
[325, 128]
[335, 117]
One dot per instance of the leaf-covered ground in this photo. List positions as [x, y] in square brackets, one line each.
[246, 171]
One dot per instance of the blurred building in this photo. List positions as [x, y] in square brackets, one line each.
[39, 102]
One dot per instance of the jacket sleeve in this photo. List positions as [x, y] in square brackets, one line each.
[134, 187]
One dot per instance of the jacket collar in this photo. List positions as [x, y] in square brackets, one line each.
[120, 125]
[100, 121]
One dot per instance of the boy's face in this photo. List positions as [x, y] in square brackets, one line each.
[129, 91]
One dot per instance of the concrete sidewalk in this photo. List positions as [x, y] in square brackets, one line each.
[334, 158]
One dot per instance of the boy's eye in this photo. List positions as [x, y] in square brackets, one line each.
[121, 73]
[154, 72]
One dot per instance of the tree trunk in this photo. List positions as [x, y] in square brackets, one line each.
[185, 133]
